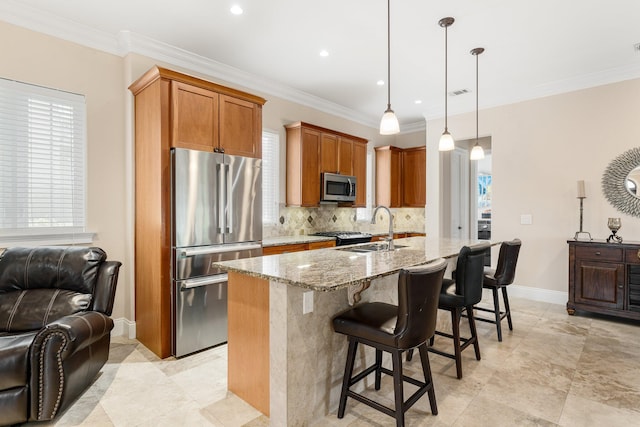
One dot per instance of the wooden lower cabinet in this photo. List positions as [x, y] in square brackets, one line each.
[604, 278]
[297, 247]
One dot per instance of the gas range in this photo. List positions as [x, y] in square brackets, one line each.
[346, 237]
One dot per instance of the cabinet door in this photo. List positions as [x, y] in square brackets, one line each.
[240, 127]
[328, 153]
[310, 167]
[388, 178]
[414, 175]
[345, 156]
[360, 172]
[600, 283]
[194, 117]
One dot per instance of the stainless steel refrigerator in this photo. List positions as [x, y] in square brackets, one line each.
[216, 216]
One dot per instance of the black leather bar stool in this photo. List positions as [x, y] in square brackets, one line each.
[500, 278]
[394, 329]
[459, 295]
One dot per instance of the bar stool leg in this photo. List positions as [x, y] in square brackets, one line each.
[496, 312]
[426, 368]
[378, 368]
[348, 371]
[474, 334]
[506, 307]
[455, 327]
[396, 357]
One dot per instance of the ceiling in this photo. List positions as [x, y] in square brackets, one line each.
[533, 48]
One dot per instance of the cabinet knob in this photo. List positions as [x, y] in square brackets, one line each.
[619, 286]
[638, 254]
[598, 253]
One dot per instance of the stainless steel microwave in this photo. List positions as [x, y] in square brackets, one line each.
[338, 188]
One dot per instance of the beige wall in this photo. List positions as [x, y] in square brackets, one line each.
[35, 58]
[540, 149]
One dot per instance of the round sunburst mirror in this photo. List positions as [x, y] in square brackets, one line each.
[621, 182]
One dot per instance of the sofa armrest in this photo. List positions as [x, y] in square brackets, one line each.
[51, 348]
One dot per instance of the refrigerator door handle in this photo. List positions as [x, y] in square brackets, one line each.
[185, 285]
[187, 252]
[222, 200]
[229, 201]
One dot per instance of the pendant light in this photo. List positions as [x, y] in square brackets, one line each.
[477, 152]
[389, 123]
[446, 140]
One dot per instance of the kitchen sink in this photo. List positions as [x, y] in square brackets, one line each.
[372, 247]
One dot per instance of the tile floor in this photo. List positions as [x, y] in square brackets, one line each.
[553, 369]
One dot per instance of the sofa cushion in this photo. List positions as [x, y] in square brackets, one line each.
[14, 359]
[73, 267]
[33, 309]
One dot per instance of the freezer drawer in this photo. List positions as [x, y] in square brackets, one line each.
[200, 313]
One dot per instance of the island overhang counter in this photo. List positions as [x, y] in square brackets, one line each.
[284, 358]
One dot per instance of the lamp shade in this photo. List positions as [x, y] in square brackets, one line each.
[446, 142]
[389, 124]
[477, 152]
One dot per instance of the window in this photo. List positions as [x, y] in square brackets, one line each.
[270, 176]
[364, 214]
[42, 165]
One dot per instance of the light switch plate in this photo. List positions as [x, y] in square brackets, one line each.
[526, 219]
[307, 302]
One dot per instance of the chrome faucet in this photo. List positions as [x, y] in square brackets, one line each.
[373, 221]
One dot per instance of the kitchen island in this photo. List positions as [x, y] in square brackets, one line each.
[284, 358]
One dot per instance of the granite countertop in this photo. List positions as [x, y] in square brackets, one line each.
[335, 268]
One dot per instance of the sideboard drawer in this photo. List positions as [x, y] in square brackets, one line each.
[599, 253]
[632, 256]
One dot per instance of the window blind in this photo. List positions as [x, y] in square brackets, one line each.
[42, 160]
[270, 177]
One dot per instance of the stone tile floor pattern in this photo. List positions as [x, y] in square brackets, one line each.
[551, 370]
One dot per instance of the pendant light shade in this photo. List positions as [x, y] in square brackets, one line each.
[446, 140]
[477, 152]
[389, 123]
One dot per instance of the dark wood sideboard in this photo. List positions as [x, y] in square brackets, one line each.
[604, 278]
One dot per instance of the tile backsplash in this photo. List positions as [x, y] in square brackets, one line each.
[295, 221]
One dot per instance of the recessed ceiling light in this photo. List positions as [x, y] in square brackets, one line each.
[236, 10]
[380, 82]
[418, 101]
[323, 52]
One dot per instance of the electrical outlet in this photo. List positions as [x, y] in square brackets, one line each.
[307, 302]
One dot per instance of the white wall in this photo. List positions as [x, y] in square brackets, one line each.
[540, 149]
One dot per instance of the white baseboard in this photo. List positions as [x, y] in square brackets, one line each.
[538, 294]
[124, 327]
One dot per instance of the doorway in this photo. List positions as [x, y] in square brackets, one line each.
[466, 192]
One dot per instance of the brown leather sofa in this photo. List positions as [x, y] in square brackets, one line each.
[55, 328]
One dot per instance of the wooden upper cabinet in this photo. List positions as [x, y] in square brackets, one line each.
[312, 150]
[328, 153]
[240, 127]
[345, 156]
[401, 176]
[204, 117]
[194, 117]
[414, 177]
[360, 172]
[389, 176]
[303, 166]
